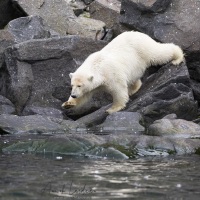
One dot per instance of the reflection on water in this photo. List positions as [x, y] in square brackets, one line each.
[24, 176]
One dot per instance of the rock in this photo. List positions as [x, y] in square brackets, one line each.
[60, 17]
[122, 122]
[7, 12]
[110, 153]
[167, 145]
[6, 106]
[175, 128]
[164, 92]
[165, 21]
[117, 146]
[27, 28]
[36, 71]
[35, 124]
[170, 116]
[108, 11]
[95, 118]
[6, 40]
[34, 110]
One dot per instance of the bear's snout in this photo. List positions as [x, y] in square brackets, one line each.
[73, 96]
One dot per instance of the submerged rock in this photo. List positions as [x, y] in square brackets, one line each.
[114, 146]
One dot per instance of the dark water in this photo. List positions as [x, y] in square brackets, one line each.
[26, 176]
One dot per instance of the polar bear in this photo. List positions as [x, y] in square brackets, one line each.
[118, 68]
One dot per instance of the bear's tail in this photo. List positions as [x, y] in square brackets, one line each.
[178, 56]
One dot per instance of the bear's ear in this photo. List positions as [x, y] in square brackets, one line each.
[70, 75]
[90, 78]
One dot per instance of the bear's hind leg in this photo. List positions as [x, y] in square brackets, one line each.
[132, 89]
[119, 100]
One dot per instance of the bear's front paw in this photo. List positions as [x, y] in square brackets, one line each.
[68, 104]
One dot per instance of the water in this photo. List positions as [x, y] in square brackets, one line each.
[27, 176]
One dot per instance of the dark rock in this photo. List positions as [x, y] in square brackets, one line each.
[108, 11]
[94, 118]
[165, 21]
[164, 92]
[36, 71]
[6, 107]
[35, 124]
[27, 28]
[175, 128]
[7, 12]
[34, 110]
[6, 40]
[59, 15]
[87, 2]
[123, 122]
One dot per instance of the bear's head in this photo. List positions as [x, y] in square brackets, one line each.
[81, 84]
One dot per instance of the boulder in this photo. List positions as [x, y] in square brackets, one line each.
[108, 11]
[27, 28]
[36, 71]
[165, 21]
[35, 110]
[59, 15]
[6, 40]
[6, 106]
[128, 122]
[164, 91]
[35, 124]
[174, 128]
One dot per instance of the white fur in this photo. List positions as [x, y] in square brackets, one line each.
[119, 66]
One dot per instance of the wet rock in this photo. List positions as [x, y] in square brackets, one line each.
[36, 71]
[6, 106]
[27, 28]
[35, 124]
[108, 11]
[123, 122]
[170, 145]
[59, 15]
[167, 90]
[117, 146]
[68, 145]
[110, 153]
[174, 127]
[173, 23]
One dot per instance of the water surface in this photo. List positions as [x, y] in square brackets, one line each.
[28, 176]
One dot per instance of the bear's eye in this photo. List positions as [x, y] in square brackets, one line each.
[78, 85]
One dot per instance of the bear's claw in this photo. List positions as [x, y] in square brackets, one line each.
[67, 104]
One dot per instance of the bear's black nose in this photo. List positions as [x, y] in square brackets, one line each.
[73, 96]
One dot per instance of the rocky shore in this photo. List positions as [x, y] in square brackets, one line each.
[42, 41]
